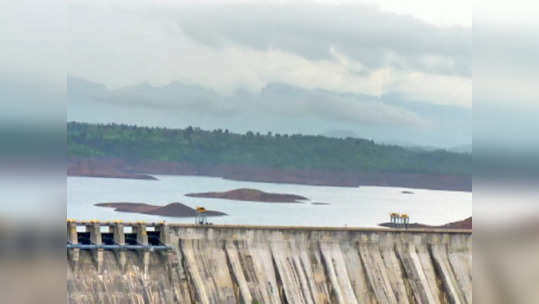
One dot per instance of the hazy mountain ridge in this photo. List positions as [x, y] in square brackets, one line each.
[277, 107]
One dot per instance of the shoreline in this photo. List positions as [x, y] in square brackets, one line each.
[120, 176]
[155, 177]
[117, 168]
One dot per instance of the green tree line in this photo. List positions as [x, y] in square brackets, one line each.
[221, 147]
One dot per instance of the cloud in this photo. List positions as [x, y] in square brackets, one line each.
[33, 63]
[292, 101]
[506, 69]
[286, 67]
[363, 33]
[275, 100]
[506, 64]
[356, 49]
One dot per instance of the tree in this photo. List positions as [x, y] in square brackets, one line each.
[208, 148]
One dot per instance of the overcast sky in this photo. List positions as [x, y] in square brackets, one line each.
[354, 48]
[408, 62]
[358, 66]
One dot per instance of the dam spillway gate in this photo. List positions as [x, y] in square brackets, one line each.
[141, 236]
[224, 264]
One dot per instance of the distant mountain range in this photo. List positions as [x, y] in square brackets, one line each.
[404, 144]
[277, 107]
[462, 149]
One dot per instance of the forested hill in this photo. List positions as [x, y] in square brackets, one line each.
[219, 147]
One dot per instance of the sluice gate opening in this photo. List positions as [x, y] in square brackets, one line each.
[95, 235]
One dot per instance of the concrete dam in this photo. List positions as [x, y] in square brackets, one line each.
[221, 264]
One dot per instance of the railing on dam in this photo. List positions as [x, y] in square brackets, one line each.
[117, 235]
[322, 228]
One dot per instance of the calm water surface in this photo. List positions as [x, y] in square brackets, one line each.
[363, 206]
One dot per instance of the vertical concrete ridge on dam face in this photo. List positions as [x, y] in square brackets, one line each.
[294, 265]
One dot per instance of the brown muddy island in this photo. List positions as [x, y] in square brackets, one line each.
[464, 224]
[170, 210]
[253, 195]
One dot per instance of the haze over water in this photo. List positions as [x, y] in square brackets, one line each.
[363, 206]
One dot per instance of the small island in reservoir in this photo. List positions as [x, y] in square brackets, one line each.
[170, 210]
[253, 195]
[464, 224]
[319, 203]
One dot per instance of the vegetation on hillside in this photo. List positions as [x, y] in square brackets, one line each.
[221, 147]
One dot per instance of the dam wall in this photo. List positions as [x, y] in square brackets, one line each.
[254, 264]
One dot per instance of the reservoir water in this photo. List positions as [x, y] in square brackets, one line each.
[361, 206]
